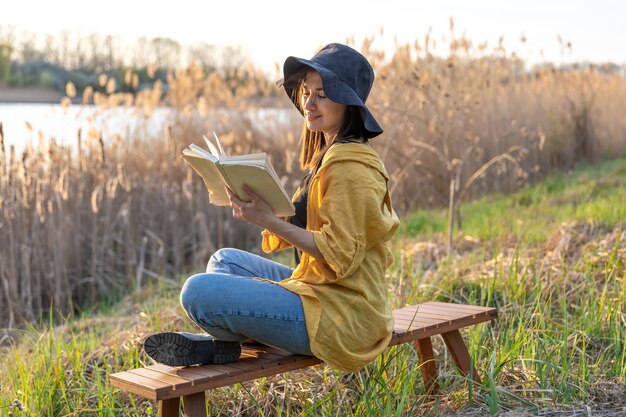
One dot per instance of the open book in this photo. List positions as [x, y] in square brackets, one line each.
[219, 170]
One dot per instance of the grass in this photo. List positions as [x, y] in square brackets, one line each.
[528, 216]
[551, 257]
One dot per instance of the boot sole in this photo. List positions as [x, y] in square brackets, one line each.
[175, 349]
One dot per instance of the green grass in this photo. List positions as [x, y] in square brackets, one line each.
[594, 194]
[551, 257]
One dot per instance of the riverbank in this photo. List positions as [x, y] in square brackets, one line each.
[29, 95]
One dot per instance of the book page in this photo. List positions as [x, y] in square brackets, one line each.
[212, 148]
[211, 176]
[219, 144]
[258, 159]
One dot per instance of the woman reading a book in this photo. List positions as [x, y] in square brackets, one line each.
[334, 304]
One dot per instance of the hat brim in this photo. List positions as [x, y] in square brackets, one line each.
[334, 88]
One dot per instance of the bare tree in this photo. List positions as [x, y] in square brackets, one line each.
[28, 48]
[141, 55]
[166, 52]
[205, 55]
[234, 57]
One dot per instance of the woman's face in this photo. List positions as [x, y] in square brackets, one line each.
[321, 114]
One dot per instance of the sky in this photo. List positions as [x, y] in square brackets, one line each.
[272, 30]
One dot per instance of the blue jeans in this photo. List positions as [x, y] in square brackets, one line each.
[228, 303]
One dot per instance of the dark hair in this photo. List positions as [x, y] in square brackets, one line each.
[313, 144]
[352, 126]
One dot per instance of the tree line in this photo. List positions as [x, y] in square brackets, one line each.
[51, 61]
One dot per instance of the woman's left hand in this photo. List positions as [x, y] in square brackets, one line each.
[256, 211]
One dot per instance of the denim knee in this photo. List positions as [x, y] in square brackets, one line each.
[222, 253]
[195, 286]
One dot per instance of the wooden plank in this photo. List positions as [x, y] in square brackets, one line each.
[425, 322]
[470, 307]
[451, 306]
[175, 381]
[200, 373]
[450, 314]
[250, 364]
[265, 362]
[194, 373]
[413, 310]
[418, 318]
[434, 313]
[466, 320]
[139, 385]
[406, 327]
[230, 380]
[414, 328]
[204, 373]
[227, 369]
[447, 309]
[418, 334]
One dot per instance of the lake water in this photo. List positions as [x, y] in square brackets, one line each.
[24, 123]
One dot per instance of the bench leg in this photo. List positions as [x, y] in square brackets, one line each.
[458, 350]
[169, 408]
[194, 405]
[427, 364]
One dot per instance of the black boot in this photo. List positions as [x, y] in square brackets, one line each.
[186, 349]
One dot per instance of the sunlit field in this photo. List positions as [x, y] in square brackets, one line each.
[508, 180]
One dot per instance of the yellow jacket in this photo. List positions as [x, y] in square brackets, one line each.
[345, 299]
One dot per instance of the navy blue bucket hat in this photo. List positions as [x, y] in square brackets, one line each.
[346, 75]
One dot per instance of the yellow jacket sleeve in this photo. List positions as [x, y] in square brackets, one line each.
[273, 243]
[350, 213]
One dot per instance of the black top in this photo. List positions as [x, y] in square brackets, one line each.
[300, 203]
[299, 218]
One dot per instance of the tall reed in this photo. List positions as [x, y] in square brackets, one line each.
[103, 217]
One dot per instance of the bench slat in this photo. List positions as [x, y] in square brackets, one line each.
[191, 372]
[426, 321]
[409, 323]
[174, 380]
[433, 307]
[437, 315]
[304, 362]
[442, 313]
[253, 364]
[198, 374]
[460, 307]
[146, 387]
[421, 334]
[439, 309]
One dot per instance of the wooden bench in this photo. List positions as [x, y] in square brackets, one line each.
[416, 324]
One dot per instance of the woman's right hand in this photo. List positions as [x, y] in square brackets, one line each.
[256, 211]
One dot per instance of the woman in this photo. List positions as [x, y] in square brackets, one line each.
[334, 304]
